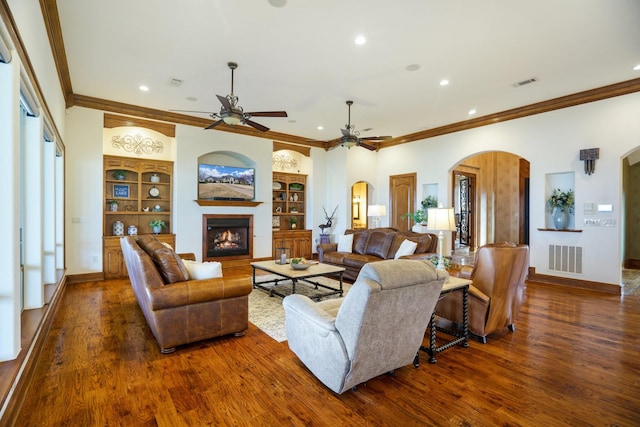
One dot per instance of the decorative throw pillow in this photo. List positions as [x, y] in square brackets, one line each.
[203, 270]
[406, 248]
[169, 264]
[345, 243]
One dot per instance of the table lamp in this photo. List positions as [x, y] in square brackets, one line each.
[441, 220]
[376, 211]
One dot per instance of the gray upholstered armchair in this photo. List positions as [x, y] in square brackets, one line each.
[377, 327]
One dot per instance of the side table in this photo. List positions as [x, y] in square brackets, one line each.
[453, 284]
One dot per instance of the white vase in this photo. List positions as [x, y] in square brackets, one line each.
[157, 229]
[154, 178]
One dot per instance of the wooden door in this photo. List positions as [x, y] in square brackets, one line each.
[402, 195]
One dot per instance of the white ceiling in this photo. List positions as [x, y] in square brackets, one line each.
[302, 58]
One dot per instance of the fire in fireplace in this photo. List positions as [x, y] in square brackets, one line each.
[228, 236]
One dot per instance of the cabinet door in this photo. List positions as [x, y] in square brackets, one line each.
[302, 245]
[113, 263]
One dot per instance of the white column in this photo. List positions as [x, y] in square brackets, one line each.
[59, 174]
[10, 212]
[49, 211]
[33, 214]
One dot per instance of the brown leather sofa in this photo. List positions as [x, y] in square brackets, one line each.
[497, 292]
[181, 311]
[378, 244]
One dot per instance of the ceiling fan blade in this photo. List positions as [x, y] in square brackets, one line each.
[225, 102]
[214, 124]
[191, 111]
[376, 138]
[269, 114]
[345, 132]
[256, 125]
[367, 146]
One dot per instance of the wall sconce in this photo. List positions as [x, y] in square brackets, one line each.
[589, 156]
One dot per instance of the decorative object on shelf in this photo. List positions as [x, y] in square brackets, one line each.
[157, 208]
[293, 210]
[291, 198]
[113, 205]
[119, 174]
[121, 190]
[275, 222]
[154, 192]
[442, 219]
[276, 185]
[118, 228]
[295, 186]
[589, 156]
[376, 211]
[561, 204]
[295, 197]
[132, 230]
[328, 218]
[278, 209]
[157, 225]
[293, 221]
[145, 209]
[154, 178]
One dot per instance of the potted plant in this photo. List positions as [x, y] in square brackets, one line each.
[157, 225]
[119, 174]
[113, 204]
[429, 202]
[418, 216]
[561, 204]
[293, 221]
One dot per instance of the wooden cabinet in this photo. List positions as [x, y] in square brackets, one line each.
[298, 243]
[289, 200]
[136, 192]
[289, 215]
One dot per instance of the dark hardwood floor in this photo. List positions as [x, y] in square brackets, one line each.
[573, 360]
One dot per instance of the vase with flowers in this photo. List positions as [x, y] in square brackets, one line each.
[157, 225]
[561, 204]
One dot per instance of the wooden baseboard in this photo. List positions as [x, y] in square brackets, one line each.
[12, 402]
[567, 282]
[85, 277]
[632, 264]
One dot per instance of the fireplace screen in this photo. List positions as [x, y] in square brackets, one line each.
[227, 236]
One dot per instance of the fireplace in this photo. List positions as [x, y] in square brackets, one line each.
[227, 237]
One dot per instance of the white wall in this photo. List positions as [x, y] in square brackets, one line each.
[551, 143]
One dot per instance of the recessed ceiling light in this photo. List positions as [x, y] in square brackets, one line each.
[144, 88]
[444, 82]
[472, 111]
[413, 67]
[636, 68]
[320, 127]
[191, 98]
[360, 40]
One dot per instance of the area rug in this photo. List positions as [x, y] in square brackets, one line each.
[630, 282]
[267, 313]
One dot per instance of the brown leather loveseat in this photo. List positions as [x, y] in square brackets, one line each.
[371, 245]
[178, 310]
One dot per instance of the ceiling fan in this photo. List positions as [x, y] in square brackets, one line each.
[232, 114]
[351, 137]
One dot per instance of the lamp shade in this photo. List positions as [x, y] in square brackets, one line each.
[442, 219]
[376, 210]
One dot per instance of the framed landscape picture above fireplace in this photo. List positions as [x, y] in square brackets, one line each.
[218, 182]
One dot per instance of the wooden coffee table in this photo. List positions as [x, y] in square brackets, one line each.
[287, 273]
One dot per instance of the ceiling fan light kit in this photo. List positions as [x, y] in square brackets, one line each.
[232, 114]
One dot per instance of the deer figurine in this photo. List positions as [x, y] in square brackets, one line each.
[328, 218]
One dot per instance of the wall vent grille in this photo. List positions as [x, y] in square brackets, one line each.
[567, 259]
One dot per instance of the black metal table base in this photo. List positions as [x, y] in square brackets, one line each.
[294, 282]
[460, 337]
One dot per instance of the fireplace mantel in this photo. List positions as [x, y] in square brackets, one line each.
[249, 203]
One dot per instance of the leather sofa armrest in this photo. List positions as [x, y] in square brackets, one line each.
[199, 291]
[188, 256]
[326, 247]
